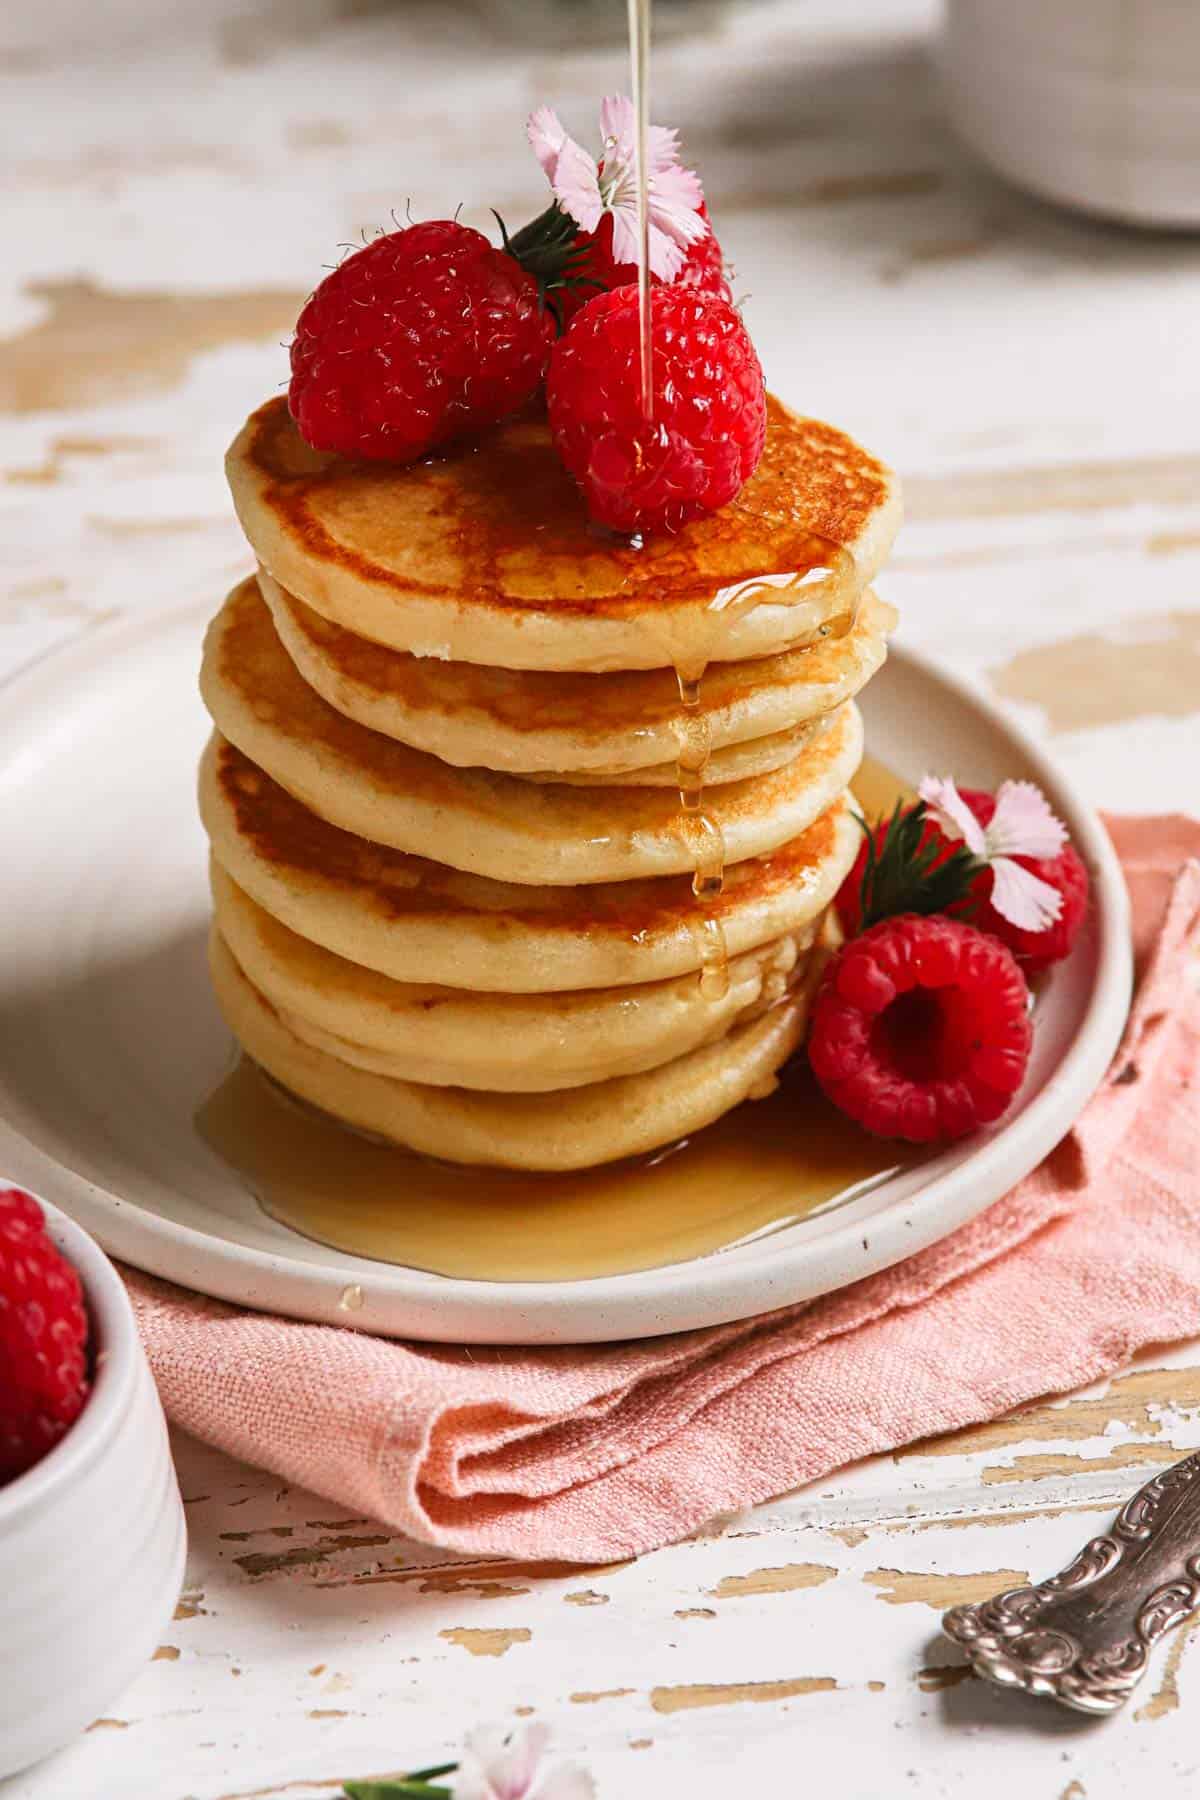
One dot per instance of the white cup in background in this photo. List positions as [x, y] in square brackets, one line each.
[1090, 103]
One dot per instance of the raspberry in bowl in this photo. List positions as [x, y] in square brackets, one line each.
[92, 1534]
[44, 1338]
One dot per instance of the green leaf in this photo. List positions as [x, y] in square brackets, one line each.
[547, 250]
[900, 875]
[417, 1786]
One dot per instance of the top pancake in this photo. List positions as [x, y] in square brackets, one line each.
[486, 555]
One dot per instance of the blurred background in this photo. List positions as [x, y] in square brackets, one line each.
[177, 175]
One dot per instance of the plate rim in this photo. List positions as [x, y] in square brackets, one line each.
[596, 1309]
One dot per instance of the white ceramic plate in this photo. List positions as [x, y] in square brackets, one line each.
[109, 1037]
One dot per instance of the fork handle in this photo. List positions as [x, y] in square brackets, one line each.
[1084, 1636]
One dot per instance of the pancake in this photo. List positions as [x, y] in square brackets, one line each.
[473, 819]
[415, 920]
[574, 1129]
[734, 762]
[516, 1043]
[540, 721]
[486, 555]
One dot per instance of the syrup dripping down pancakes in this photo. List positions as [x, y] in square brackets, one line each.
[524, 838]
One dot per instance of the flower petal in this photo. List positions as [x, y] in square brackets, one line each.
[1023, 824]
[469, 1782]
[498, 1764]
[521, 1762]
[662, 148]
[951, 812]
[1022, 897]
[625, 246]
[666, 254]
[675, 199]
[568, 1782]
[546, 136]
[617, 124]
[587, 190]
[618, 128]
[576, 184]
[487, 1743]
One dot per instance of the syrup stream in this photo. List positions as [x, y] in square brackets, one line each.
[701, 832]
[693, 731]
[639, 67]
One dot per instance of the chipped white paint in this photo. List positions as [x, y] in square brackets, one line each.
[1037, 379]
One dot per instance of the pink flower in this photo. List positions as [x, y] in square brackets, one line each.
[499, 1765]
[1022, 825]
[587, 189]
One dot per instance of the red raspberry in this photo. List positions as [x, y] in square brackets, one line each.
[709, 408]
[422, 336]
[921, 1028]
[1034, 950]
[703, 268]
[43, 1337]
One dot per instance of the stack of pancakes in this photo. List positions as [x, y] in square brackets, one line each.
[451, 870]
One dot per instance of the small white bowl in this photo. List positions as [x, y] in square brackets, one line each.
[92, 1539]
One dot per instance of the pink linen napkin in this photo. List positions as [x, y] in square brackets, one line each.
[599, 1452]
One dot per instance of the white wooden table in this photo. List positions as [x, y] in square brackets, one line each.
[168, 201]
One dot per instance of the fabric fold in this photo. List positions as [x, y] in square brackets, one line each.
[597, 1453]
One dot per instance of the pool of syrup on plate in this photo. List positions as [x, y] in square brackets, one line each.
[762, 1167]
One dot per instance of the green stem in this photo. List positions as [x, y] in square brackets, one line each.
[546, 249]
[416, 1786]
[552, 232]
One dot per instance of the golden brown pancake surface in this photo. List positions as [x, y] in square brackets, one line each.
[549, 722]
[519, 1043]
[417, 920]
[572, 1129]
[486, 555]
[478, 820]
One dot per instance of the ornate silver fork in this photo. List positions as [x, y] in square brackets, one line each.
[1084, 1636]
